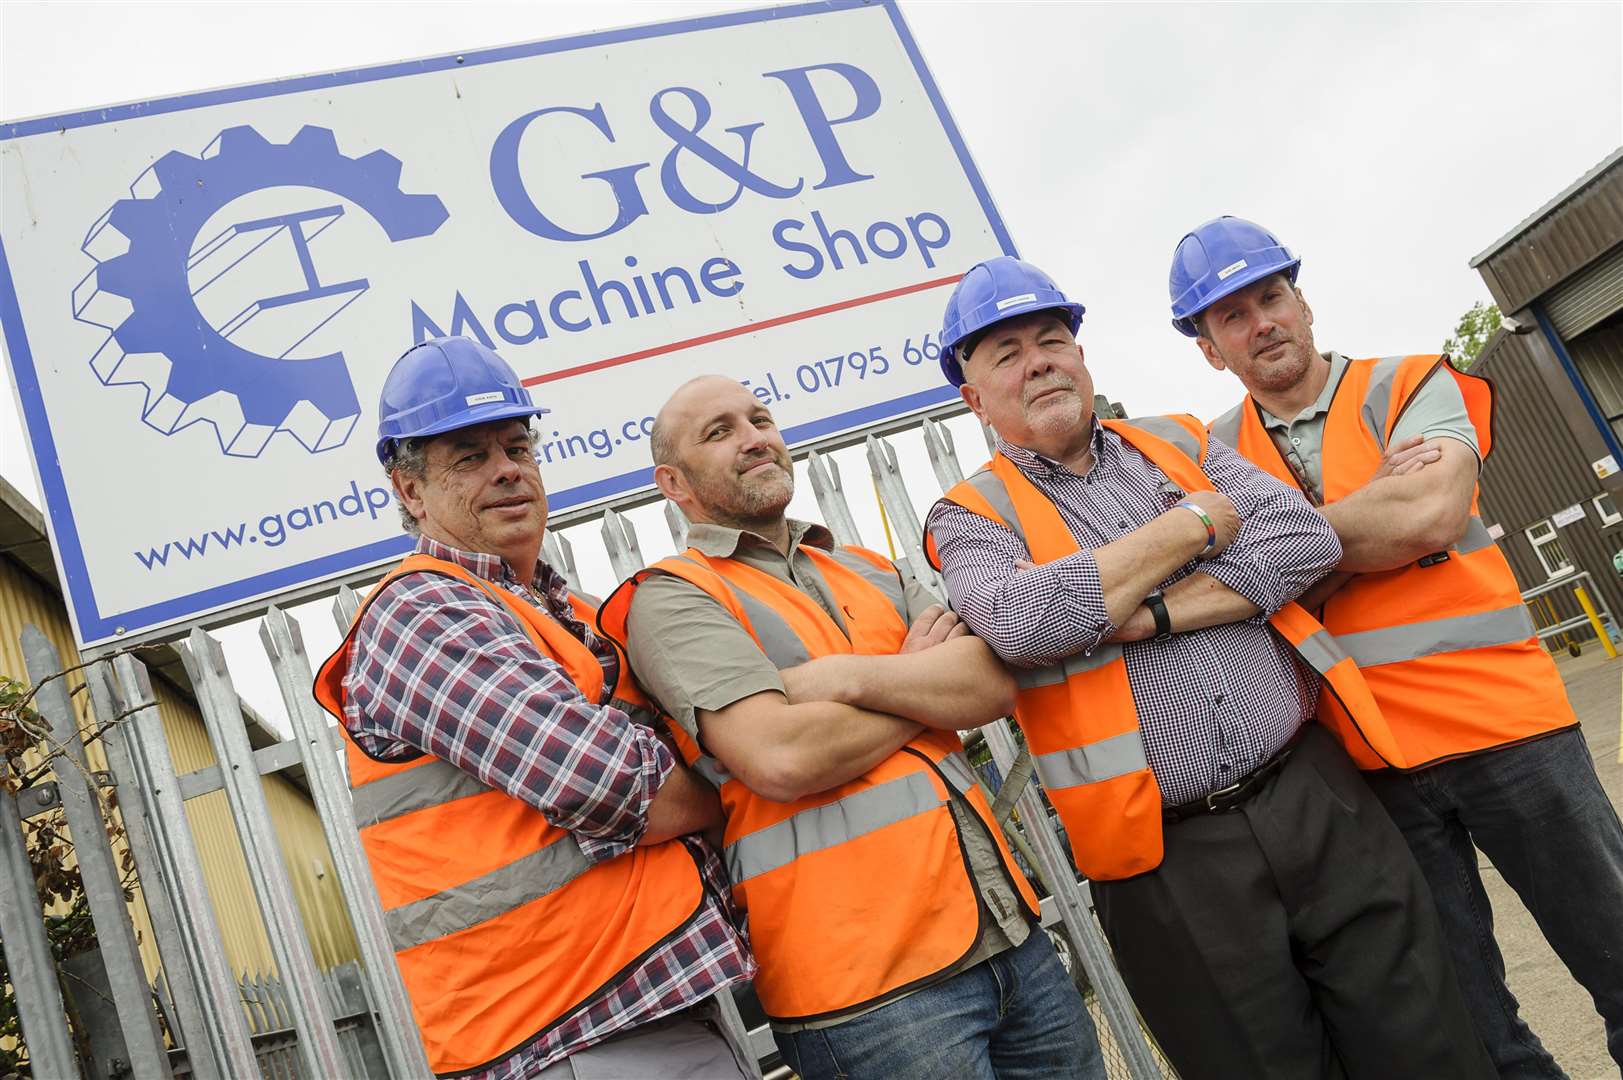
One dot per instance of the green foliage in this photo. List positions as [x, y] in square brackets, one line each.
[24, 733]
[1474, 330]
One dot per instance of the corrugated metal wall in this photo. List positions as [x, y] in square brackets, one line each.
[1568, 238]
[1536, 469]
[24, 600]
[1598, 356]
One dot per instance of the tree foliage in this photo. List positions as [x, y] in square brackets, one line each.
[1471, 334]
[28, 756]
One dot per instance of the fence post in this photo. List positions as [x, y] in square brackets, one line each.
[115, 933]
[621, 541]
[825, 481]
[677, 522]
[222, 713]
[556, 549]
[28, 950]
[903, 521]
[402, 1045]
[943, 455]
[225, 1029]
[182, 1003]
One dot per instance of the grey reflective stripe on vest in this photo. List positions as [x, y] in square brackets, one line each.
[397, 793]
[991, 488]
[886, 581]
[1226, 428]
[826, 826]
[1054, 674]
[1164, 427]
[1321, 651]
[1475, 539]
[1378, 397]
[1094, 763]
[958, 771]
[642, 714]
[778, 639]
[484, 898]
[1413, 640]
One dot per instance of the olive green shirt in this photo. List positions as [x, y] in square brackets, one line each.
[1436, 411]
[691, 655]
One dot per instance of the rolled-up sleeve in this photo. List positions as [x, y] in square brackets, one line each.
[1284, 545]
[1030, 618]
[448, 671]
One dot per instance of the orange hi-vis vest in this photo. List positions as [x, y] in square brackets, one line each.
[861, 892]
[1078, 715]
[499, 923]
[1446, 643]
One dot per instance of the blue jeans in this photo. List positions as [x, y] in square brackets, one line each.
[1013, 1017]
[1538, 811]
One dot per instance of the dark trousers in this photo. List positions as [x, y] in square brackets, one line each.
[1293, 938]
[1539, 813]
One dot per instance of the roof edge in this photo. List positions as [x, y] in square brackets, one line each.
[1544, 211]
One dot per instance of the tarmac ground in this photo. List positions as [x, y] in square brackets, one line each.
[1553, 1004]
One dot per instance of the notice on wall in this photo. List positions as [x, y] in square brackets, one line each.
[1605, 467]
[1563, 518]
[201, 295]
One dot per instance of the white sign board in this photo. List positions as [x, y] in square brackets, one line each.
[1563, 518]
[201, 295]
[1605, 467]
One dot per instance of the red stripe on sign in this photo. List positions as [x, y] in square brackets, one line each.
[747, 328]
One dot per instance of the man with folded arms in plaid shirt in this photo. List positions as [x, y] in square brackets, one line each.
[532, 841]
[1265, 912]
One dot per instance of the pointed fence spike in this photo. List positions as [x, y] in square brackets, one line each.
[678, 524]
[904, 521]
[825, 480]
[943, 455]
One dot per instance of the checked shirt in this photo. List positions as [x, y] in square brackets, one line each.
[441, 667]
[1212, 704]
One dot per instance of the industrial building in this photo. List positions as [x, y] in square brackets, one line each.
[1552, 491]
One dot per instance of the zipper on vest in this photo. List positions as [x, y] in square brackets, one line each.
[980, 920]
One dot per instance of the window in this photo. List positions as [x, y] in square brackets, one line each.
[1548, 547]
[1607, 509]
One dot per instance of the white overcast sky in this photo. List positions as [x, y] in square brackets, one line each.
[1386, 143]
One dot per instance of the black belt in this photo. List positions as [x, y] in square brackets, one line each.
[1228, 799]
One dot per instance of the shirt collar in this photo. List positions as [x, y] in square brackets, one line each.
[490, 567]
[722, 542]
[1031, 461]
[1338, 367]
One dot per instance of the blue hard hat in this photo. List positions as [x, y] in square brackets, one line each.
[444, 384]
[1221, 257]
[992, 291]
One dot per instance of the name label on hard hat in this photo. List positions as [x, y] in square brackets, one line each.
[1232, 268]
[1005, 305]
[489, 395]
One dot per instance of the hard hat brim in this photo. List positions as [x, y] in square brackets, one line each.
[479, 414]
[952, 365]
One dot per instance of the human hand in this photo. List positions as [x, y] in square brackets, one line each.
[934, 625]
[1139, 626]
[1408, 456]
[1220, 508]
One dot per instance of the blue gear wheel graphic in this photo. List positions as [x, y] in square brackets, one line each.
[164, 319]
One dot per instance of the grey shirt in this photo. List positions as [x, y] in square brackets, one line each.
[690, 654]
[1436, 411]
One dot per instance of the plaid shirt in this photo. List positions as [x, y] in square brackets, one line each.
[1212, 704]
[441, 667]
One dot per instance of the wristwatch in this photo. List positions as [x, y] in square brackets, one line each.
[1158, 609]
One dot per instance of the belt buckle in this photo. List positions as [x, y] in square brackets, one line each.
[1221, 793]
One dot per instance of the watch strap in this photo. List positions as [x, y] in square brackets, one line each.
[1158, 610]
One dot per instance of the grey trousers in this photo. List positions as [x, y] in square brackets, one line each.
[1293, 938]
[686, 1046]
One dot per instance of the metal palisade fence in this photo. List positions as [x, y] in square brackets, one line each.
[200, 1018]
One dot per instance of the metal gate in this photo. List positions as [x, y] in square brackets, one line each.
[309, 1024]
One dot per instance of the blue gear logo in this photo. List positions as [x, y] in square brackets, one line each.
[145, 286]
